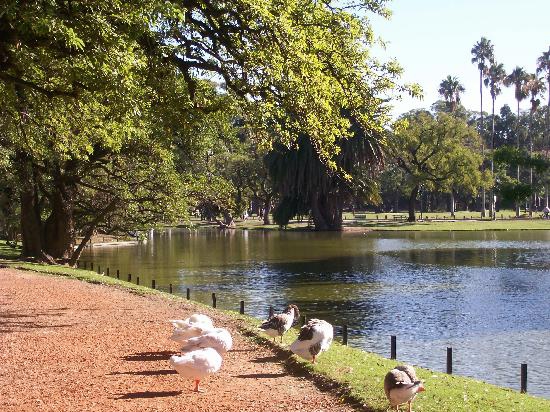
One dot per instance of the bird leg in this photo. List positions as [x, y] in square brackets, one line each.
[313, 360]
[281, 338]
[410, 406]
[197, 389]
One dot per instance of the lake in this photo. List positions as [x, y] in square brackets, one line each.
[485, 294]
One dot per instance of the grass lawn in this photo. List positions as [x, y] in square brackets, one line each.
[358, 374]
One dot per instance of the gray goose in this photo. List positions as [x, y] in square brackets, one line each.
[401, 386]
[278, 324]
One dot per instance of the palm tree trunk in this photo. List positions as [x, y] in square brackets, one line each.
[531, 203]
[517, 172]
[492, 212]
[482, 139]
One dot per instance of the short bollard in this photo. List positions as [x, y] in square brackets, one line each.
[344, 334]
[108, 272]
[450, 361]
[91, 265]
[137, 280]
[523, 388]
[98, 269]
[188, 294]
[304, 319]
[129, 277]
[153, 284]
[241, 309]
[118, 274]
[170, 288]
[213, 300]
[393, 351]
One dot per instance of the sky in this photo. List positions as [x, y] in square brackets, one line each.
[433, 38]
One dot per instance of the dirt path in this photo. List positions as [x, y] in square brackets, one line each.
[67, 345]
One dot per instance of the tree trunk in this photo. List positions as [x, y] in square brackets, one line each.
[452, 203]
[517, 171]
[59, 231]
[412, 204]
[326, 212]
[482, 141]
[492, 212]
[267, 208]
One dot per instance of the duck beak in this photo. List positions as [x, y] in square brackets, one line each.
[421, 388]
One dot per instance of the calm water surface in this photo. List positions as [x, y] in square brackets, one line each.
[486, 294]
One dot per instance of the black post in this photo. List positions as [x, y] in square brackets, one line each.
[271, 312]
[91, 265]
[137, 280]
[170, 288]
[98, 269]
[345, 334]
[450, 361]
[304, 319]
[523, 378]
[393, 354]
[129, 277]
[213, 300]
[241, 310]
[118, 274]
[153, 284]
[188, 293]
[108, 272]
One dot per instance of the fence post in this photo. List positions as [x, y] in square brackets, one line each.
[304, 319]
[213, 300]
[98, 269]
[344, 334]
[523, 378]
[188, 293]
[108, 272]
[153, 284]
[393, 351]
[118, 274]
[449, 361]
[137, 280]
[129, 277]
[91, 265]
[170, 288]
[241, 309]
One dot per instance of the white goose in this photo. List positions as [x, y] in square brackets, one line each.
[278, 324]
[401, 386]
[197, 364]
[315, 337]
[195, 325]
[216, 338]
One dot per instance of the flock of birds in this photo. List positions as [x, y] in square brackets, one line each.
[203, 346]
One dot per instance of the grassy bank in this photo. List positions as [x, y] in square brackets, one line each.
[358, 374]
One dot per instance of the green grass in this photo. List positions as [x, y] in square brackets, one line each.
[358, 374]
[466, 225]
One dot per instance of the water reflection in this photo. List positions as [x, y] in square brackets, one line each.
[483, 293]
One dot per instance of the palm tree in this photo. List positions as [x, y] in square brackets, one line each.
[495, 77]
[535, 87]
[483, 54]
[543, 66]
[518, 78]
[450, 89]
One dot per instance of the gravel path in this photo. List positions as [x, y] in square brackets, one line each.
[67, 345]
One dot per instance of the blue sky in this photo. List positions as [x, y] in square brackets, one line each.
[433, 38]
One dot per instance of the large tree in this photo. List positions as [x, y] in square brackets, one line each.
[495, 78]
[518, 79]
[86, 87]
[305, 183]
[435, 152]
